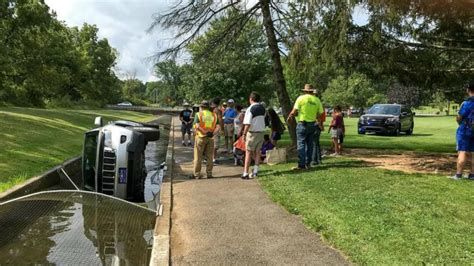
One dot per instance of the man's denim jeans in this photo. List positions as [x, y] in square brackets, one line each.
[317, 158]
[305, 141]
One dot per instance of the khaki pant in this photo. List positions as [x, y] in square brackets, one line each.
[202, 146]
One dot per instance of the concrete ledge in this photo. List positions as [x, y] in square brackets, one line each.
[44, 181]
[160, 254]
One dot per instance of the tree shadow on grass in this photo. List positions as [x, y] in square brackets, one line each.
[325, 166]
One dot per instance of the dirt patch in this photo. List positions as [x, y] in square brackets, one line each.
[410, 162]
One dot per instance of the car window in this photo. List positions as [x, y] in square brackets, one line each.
[380, 109]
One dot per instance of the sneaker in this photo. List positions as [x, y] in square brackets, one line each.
[190, 144]
[471, 177]
[194, 177]
[314, 164]
[210, 176]
[297, 168]
[215, 162]
[455, 177]
[334, 154]
[184, 144]
[245, 176]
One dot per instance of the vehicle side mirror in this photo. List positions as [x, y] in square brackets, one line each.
[98, 121]
[404, 114]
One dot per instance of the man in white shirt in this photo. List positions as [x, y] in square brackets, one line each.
[254, 127]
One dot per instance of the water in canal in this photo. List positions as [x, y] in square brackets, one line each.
[78, 227]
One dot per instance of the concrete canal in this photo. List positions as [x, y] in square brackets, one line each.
[58, 226]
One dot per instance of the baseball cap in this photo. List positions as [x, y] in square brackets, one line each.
[230, 101]
[205, 104]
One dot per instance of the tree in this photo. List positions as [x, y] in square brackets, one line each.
[356, 91]
[190, 18]
[232, 71]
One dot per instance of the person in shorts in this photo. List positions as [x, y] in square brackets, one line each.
[254, 128]
[229, 116]
[464, 134]
[337, 130]
[186, 124]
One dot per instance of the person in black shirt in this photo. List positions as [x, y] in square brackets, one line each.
[186, 123]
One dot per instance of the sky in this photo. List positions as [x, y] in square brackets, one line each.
[124, 23]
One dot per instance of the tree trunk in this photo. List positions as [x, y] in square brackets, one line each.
[282, 93]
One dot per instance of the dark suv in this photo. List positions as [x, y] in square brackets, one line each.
[387, 119]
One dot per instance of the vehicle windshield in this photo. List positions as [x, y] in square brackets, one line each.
[380, 109]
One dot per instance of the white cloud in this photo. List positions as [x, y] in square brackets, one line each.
[124, 24]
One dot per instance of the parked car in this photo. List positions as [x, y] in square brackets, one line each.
[113, 158]
[125, 104]
[387, 119]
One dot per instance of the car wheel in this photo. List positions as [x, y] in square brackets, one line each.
[151, 134]
[397, 131]
[410, 131]
[361, 132]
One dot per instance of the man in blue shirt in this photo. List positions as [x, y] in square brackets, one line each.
[186, 123]
[464, 134]
[229, 115]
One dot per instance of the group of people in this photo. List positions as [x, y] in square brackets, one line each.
[245, 132]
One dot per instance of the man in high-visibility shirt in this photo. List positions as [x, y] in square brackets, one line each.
[206, 125]
[307, 111]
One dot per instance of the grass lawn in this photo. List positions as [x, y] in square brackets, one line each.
[34, 140]
[431, 134]
[380, 217]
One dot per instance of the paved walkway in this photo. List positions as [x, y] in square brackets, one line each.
[227, 220]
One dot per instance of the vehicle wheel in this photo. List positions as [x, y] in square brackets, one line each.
[410, 131]
[151, 134]
[397, 131]
[361, 133]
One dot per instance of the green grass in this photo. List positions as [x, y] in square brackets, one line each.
[431, 134]
[34, 140]
[380, 217]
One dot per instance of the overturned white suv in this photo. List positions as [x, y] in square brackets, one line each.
[113, 160]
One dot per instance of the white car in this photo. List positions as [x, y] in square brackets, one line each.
[125, 104]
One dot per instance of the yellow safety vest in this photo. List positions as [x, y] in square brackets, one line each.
[207, 122]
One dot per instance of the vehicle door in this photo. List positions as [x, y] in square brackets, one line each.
[405, 118]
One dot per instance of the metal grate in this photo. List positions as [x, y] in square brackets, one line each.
[108, 172]
[74, 228]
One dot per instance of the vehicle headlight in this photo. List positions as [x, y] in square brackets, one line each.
[108, 139]
[392, 120]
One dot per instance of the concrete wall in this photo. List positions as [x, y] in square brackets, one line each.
[49, 180]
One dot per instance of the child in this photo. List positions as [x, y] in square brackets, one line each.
[267, 145]
[239, 152]
[337, 130]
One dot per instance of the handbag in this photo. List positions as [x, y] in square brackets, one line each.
[240, 144]
[276, 156]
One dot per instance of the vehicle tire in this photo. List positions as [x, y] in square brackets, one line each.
[151, 134]
[410, 130]
[397, 131]
[151, 125]
[361, 133]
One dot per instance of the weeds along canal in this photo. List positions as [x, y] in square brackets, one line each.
[55, 226]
